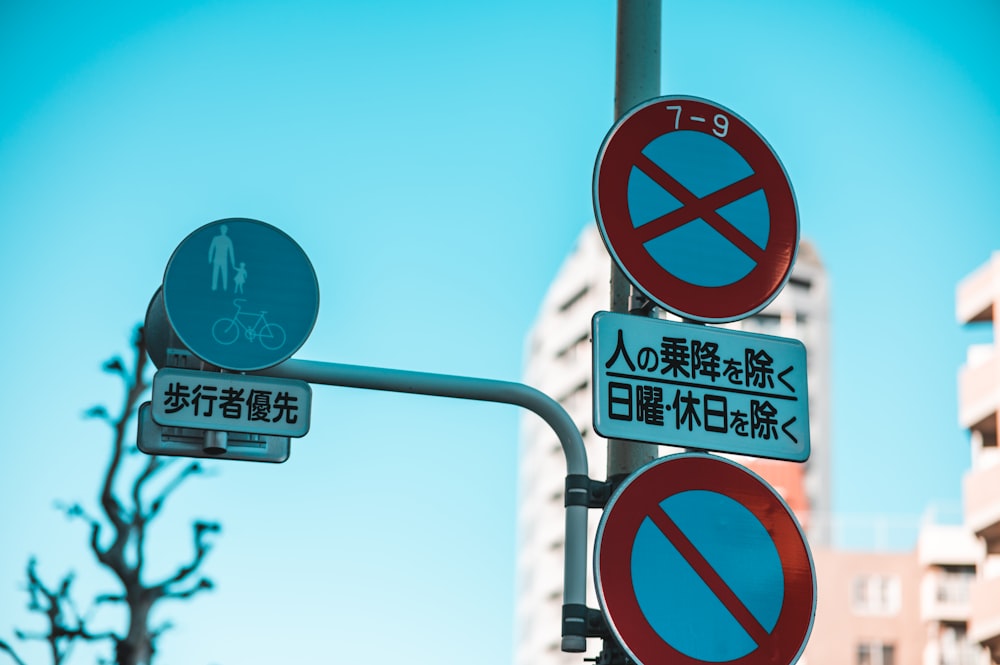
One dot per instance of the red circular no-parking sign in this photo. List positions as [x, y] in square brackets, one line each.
[697, 560]
[696, 209]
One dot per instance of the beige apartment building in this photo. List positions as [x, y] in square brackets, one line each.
[865, 612]
[882, 607]
[946, 557]
[978, 302]
[936, 603]
[940, 603]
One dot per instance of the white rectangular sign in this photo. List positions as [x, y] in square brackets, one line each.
[231, 402]
[697, 386]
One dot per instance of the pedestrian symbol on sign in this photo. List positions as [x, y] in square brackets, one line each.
[276, 314]
[221, 255]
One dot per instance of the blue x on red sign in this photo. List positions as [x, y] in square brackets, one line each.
[696, 209]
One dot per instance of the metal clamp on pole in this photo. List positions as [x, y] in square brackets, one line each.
[584, 621]
[584, 491]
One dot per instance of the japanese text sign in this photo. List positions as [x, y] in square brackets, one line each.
[701, 387]
[231, 402]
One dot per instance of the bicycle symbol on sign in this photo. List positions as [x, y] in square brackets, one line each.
[227, 330]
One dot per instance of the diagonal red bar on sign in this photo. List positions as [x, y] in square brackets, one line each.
[693, 207]
[711, 577]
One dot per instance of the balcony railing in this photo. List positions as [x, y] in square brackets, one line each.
[982, 503]
[979, 390]
[975, 293]
[945, 597]
[984, 619]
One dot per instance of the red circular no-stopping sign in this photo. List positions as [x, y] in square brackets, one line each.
[697, 560]
[696, 209]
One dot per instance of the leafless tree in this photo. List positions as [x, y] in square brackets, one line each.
[117, 539]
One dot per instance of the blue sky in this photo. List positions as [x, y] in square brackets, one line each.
[434, 160]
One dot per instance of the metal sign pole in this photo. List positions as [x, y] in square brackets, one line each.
[194, 314]
[637, 78]
[486, 390]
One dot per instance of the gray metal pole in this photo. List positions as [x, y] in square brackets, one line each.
[487, 390]
[637, 78]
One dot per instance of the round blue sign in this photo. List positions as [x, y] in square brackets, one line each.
[661, 575]
[240, 294]
[697, 560]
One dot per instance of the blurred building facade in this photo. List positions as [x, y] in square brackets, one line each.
[933, 603]
[946, 558]
[978, 303]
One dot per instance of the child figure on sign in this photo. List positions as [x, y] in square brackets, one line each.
[240, 278]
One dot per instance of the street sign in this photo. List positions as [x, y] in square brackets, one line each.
[698, 386]
[155, 439]
[696, 209]
[231, 402]
[697, 560]
[159, 335]
[240, 294]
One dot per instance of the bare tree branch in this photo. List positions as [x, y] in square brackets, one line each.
[116, 366]
[120, 548]
[201, 548]
[96, 412]
[9, 650]
[66, 624]
[204, 584]
[191, 469]
[110, 598]
[153, 466]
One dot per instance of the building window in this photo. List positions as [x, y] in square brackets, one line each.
[876, 653]
[956, 647]
[577, 349]
[954, 583]
[765, 323]
[876, 594]
[800, 283]
[573, 299]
